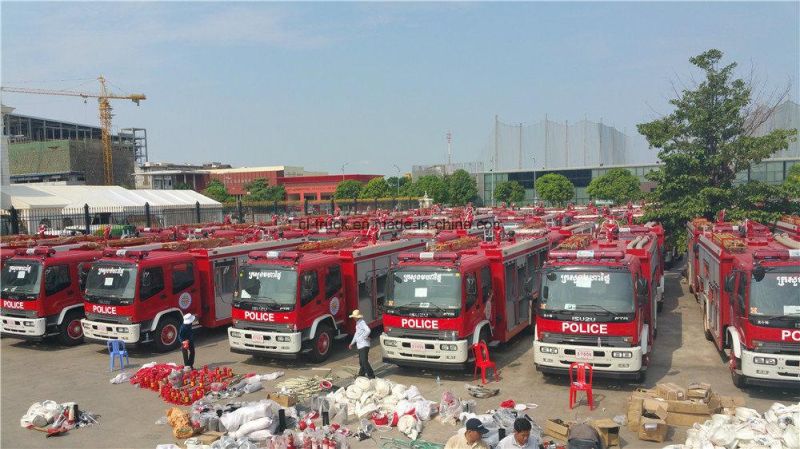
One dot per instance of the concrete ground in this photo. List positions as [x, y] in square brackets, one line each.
[35, 372]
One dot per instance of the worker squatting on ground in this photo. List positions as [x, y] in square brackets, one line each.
[470, 438]
[186, 335]
[361, 340]
[521, 438]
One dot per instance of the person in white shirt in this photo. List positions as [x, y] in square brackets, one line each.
[521, 438]
[361, 341]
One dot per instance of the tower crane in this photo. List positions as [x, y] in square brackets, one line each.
[105, 115]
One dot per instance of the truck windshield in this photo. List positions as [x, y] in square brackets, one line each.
[268, 284]
[21, 279]
[425, 289]
[778, 294]
[113, 282]
[587, 290]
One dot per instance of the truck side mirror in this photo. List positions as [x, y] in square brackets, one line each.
[551, 276]
[729, 283]
[472, 286]
[641, 286]
[759, 272]
[545, 292]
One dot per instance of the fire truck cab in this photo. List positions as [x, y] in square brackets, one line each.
[597, 305]
[42, 292]
[298, 302]
[139, 294]
[750, 291]
[441, 303]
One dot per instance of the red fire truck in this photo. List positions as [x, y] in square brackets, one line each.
[750, 291]
[139, 294]
[297, 302]
[440, 303]
[598, 305]
[42, 292]
[789, 224]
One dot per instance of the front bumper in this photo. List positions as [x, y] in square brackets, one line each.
[99, 331]
[785, 371]
[602, 360]
[425, 353]
[27, 328]
[246, 341]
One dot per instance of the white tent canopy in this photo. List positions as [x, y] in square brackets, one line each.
[73, 197]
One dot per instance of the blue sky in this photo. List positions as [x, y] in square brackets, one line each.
[375, 84]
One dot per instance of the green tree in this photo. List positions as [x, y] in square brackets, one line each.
[216, 190]
[462, 188]
[703, 143]
[260, 190]
[792, 183]
[555, 188]
[376, 188]
[399, 184]
[435, 186]
[618, 185]
[182, 186]
[348, 189]
[510, 192]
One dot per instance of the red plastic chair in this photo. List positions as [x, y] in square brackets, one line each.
[578, 383]
[483, 361]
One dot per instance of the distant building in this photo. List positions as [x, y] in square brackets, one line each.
[44, 148]
[317, 187]
[166, 176]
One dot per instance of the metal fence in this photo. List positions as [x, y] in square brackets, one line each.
[94, 219]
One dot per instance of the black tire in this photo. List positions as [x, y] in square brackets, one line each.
[706, 330]
[321, 344]
[640, 377]
[165, 337]
[659, 306]
[70, 332]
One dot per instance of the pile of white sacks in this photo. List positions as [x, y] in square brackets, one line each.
[386, 402]
[779, 428]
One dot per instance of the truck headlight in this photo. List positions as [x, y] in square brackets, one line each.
[282, 338]
[448, 335]
[621, 354]
[390, 343]
[122, 330]
[449, 347]
[235, 334]
[27, 323]
[765, 361]
[548, 349]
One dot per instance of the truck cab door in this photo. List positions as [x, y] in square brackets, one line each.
[184, 287]
[225, 281]
[59, 290]
[738, 301]
[334, 295]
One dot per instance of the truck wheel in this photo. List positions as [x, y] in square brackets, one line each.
[166, 335]
[706, 330]
[321, 344]
[640, 376]
[70, 333]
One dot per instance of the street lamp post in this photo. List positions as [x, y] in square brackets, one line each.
[343, 166]
[534, 180]
[398, 179]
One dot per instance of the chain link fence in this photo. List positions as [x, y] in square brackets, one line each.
[88, 219]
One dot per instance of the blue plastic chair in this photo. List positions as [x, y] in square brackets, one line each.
[116, 348]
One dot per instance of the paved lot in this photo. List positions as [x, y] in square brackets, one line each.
[45, 371]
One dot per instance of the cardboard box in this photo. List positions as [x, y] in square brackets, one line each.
[652, 424]
[635, 408]
[284, 400]
[698, 390]
[608, 431]
[210, 437]
[556, 428]
[730, 401]
[685, 419]
[671, 391]
[694, 406]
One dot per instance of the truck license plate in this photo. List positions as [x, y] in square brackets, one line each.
[417, 346]
[584, 354]
[258, 337]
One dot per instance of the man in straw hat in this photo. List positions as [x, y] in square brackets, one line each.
[361, 340]
[187, 340]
